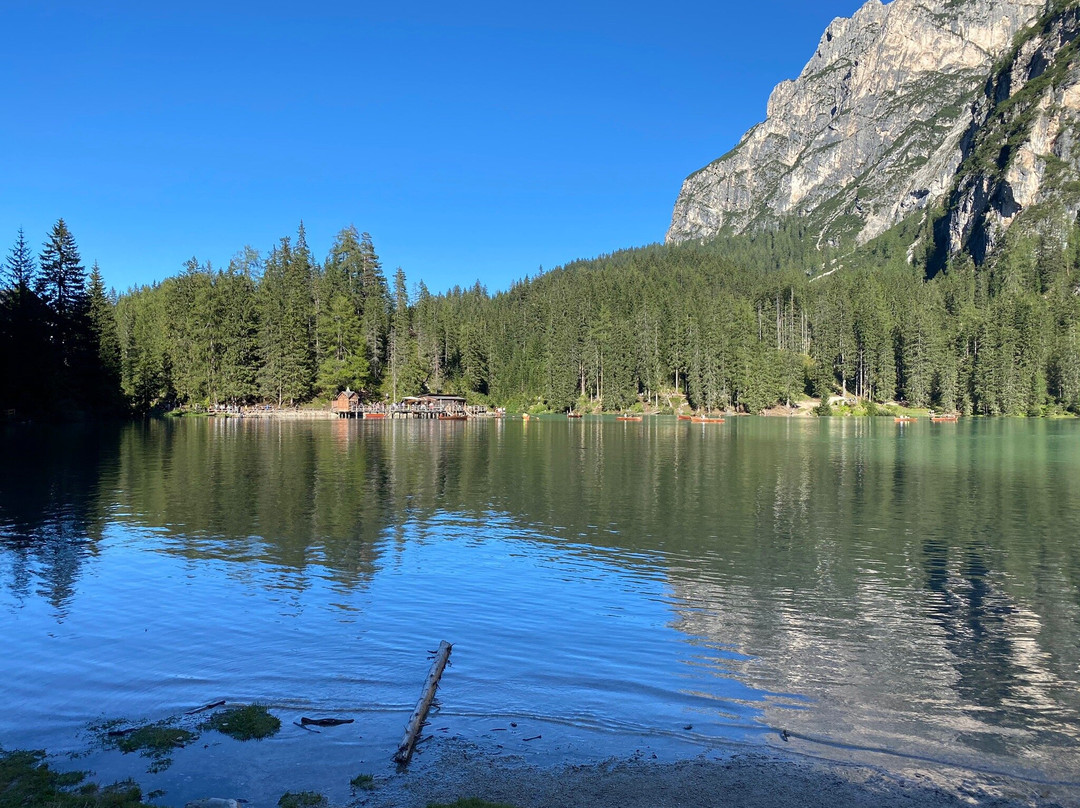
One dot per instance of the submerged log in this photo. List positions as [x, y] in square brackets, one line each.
[206, 707]
[325, 722]
[416, 722]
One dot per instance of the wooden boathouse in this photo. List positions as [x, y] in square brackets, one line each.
[347, 404]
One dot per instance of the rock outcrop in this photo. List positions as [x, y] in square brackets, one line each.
[878, 124]
[1024, 151]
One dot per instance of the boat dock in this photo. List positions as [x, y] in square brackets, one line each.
[349, 404]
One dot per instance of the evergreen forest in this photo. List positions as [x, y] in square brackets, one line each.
[745, 322]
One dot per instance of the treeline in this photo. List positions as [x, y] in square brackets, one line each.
[281, 328]
[745, 322]
[58, 338]
[724, 324]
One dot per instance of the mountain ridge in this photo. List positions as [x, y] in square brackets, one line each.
[891, 106]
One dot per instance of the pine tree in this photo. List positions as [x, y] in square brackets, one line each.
[24, 351]
[286, 317]
[373, 296]
[405, 376]
[106, 340]
[340, 334]
[239, 332]
[62, 282]
[190, 331]
[19, 270]
[145, 363]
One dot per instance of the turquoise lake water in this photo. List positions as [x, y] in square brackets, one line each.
[902, 595]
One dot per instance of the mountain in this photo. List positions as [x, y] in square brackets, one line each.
[966, 110]
[1023, 152]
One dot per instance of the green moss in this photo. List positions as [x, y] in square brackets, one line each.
[246, 723]
[364, 781]
[301, 799]
[155, 740]
[26, 781]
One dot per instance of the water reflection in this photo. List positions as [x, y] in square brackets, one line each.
[52, 508]
[919, 588]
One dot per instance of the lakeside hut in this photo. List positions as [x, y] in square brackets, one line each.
[347, 404]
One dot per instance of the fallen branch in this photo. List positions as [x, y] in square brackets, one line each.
[416, 722]
[206, 707]
[326, 722]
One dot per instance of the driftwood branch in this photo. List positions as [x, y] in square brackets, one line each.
[416, 722]
[206, 707]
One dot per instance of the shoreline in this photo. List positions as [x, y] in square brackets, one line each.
[761, 778]
[772, 414]
[450, 769]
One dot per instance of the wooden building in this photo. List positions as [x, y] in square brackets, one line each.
[347, 404]
[430, 406]
[451, 405]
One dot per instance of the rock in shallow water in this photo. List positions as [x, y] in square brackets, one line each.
[213, 802]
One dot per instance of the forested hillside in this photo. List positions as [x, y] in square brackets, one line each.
[737, 322]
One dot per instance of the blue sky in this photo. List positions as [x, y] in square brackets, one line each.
[472, 140]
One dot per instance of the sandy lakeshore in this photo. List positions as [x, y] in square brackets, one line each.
[742, 780]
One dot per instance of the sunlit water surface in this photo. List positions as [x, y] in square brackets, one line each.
[899, 595]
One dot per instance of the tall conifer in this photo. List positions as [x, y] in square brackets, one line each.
[62, 282]
[106, 340]
[19, 269]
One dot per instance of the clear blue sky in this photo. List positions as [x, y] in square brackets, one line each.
[472, 140]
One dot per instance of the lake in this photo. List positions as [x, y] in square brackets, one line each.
[902, 595]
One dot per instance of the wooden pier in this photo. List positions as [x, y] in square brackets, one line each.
[349, 404]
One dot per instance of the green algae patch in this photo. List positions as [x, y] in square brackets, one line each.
[26, 781]
[302, 799]
[363, 781]
[251, 722]
[155, 741]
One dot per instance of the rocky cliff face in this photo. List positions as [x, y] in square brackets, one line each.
[1023, 151]
[875, 127]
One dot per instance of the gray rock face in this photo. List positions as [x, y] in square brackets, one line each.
[1025, 151]
[871, 130]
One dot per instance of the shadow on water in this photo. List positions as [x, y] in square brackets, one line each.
[54, 503]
